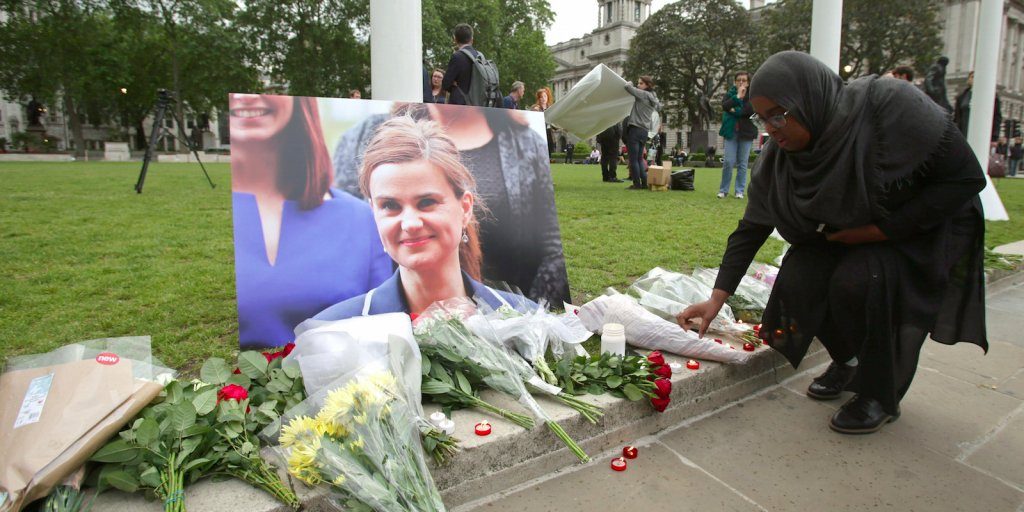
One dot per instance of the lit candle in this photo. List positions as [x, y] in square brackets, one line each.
[483, 429]
[629, 452]
[693, 365]
[619, 464]
[749, 347]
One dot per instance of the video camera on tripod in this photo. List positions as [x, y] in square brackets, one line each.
[164, 99]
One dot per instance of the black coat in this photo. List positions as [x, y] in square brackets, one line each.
[458, 77]
[610, 138]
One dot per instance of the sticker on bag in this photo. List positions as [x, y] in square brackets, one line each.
[35, 397]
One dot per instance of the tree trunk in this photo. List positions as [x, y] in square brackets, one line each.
[75, 121]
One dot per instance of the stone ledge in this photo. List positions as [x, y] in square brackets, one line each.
[511, 455]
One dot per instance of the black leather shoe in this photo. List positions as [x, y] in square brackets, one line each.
[861, 415]
[829, 385]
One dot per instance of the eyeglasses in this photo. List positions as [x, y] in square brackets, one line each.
[778, 121]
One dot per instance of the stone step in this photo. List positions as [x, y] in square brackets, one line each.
[511, 455]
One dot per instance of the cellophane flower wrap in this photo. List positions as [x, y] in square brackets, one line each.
[359, 436]
[442, 333]
[327, 350]
[667, 294]
[527, 331]
[749, 300]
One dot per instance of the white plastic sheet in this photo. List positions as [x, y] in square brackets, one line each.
[596, 102]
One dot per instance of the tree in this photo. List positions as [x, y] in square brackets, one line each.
[876, 36]
[691, 48]
[509, 32]
[55, 50]
[315, 48]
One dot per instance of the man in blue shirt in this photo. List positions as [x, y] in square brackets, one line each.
[512, 100]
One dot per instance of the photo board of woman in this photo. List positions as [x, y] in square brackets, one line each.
[316, 231]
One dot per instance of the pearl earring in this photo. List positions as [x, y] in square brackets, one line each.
[465, 237]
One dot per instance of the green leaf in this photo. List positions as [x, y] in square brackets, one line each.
[174, 391]
[215, 371]
[182, 416]
[463, 382]
[595, 389]
[148, 433]
[632, 392]
[194, 463]
[435, 387]
[116, 451]
[253, 364]
[205, 401]
[613, 381]
[240, 379]
[150, 478]
[292, 371]
[122, 480]
[425, 365]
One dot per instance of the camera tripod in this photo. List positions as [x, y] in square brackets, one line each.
[163, 100]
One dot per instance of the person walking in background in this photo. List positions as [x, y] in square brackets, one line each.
[638, 126]
[512, 100]
[739, 132]
[355, 94]
[436, 77]
[459, 76]
[1016, 152]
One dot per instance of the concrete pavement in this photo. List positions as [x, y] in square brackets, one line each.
[959, 445]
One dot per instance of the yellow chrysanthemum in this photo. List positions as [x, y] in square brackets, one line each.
[355, 444]
[331, 425]
[383, 380]
[300, 431]
[302, 464]
[361, 418]
[339, 480]
[339, 403]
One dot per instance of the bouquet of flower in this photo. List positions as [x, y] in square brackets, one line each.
[203, 428]
[526, 330]
[751, 295]
[362, 442]
[441, 330]
[325, 351]
[667, 294]
[631, 377]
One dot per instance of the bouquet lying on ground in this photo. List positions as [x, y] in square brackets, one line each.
[528, 331]
[646, 330]
[328, 350]
[749, 300]
[631, 377]
[667, 294]
[444, 337]
[204, 428]
[359, 436]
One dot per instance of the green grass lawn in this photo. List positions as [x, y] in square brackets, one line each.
[83, 256]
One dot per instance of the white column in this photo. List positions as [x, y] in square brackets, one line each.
[983, 98]
[396, 50]
[826, 29]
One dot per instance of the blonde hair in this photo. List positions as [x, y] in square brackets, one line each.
[403, 139]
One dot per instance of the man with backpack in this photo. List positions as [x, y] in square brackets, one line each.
[470, 79]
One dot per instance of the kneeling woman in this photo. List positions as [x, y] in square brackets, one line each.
[877, 191]
[423, 203]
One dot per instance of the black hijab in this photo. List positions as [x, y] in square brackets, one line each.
[865, 136]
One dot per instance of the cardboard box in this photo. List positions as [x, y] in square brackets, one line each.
[658, 175]
[667, 164]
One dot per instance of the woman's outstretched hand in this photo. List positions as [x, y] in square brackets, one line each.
[859, 235]
[705, 312]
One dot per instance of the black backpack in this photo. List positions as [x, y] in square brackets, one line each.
[483, 89]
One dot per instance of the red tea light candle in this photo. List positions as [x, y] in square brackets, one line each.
[483, 429]
[692, 364]
[757, 328]
[619, 464]
[749, 347]
[630, 452]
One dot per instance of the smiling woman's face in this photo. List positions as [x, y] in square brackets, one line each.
[419, 218]
[793, 136]
[258, 117]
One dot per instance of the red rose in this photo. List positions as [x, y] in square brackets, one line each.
[287, 349]
[232, 392]
[663, 388]
[663, 371]
[237, 371]
[656, 358]
[660, 404]
[271, 355]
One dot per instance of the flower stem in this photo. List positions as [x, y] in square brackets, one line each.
[573, 447]
[589, 411]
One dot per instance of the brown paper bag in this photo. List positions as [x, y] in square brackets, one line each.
[53, 418]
